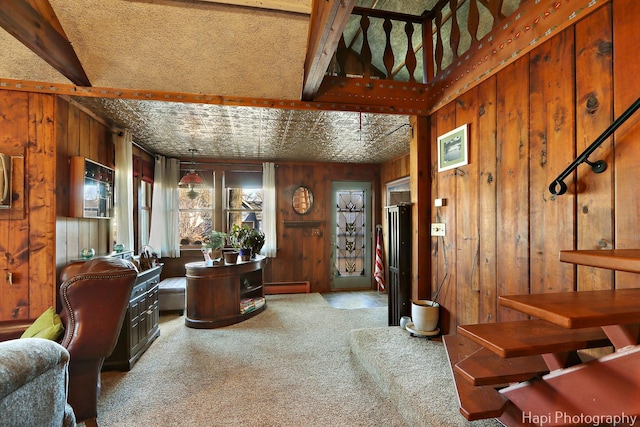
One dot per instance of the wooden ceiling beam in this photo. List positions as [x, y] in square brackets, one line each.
[374, 105]
[327, 24]
[279, 5]
[34, 24]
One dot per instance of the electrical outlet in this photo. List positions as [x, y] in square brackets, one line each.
[437, 229]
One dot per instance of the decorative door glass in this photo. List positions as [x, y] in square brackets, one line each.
[350, 233]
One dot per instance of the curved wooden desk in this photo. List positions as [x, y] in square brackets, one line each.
[214, 294]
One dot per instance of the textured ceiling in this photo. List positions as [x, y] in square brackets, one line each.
[219, 132]
[228, 48]
[207, 47]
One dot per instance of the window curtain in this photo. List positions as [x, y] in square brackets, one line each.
[269, 209]
[163, 237]
[124, 188]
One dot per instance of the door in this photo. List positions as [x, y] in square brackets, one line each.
[351, 235]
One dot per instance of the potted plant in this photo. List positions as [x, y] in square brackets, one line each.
[212, 246]
[255, 240]
[239, 239]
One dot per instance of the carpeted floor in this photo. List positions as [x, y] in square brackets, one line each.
[292, 365]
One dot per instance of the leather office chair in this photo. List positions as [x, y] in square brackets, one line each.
[93, 298]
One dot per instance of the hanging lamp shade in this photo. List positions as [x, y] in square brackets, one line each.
[191, 180]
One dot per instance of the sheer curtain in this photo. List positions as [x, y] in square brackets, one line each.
[269, 209]
[124, 188]
[163, 237]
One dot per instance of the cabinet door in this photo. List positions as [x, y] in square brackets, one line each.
[138, 322]
[153, 310]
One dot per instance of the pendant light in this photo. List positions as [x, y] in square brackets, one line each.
[191, 180]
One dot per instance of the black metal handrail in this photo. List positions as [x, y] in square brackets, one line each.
[597, 166]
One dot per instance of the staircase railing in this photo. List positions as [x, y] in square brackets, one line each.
[373, 46]
[558, 186]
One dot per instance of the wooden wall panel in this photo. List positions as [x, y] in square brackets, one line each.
[552, 148]
[421, 210]
[80, 134]
[304, 240]
[512, 190]
[626, 76]
[467, 230]
[14, 237]
[446, 253]
[487, 231]
[436, 258]
[594, 113]
[42, 203]
[533, 118]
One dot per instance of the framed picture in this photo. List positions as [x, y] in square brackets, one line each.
[453, 149]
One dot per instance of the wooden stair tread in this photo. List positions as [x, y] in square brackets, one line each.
[487, 368]
[614, 259]
[532, 337]
[475, 402]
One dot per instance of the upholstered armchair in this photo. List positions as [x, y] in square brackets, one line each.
[93, 297]
[33, 384]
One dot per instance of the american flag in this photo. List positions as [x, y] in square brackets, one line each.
[378, 273]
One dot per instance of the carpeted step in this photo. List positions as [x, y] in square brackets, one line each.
[413, 373]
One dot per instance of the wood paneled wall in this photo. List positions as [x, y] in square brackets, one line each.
[527, 123]
[304, 249]
[79, 134]
[36, 237]
[27, 231]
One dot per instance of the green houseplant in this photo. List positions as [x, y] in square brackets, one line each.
[255, 240]
[247, 240]
[237, 236]
[213, 244]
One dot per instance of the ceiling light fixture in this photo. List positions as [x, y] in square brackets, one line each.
[191, 180]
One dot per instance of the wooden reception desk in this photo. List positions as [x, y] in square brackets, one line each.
[215, 294]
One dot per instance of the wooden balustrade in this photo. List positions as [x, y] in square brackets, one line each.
[450, 28]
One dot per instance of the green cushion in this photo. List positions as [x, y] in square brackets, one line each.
[47, 326]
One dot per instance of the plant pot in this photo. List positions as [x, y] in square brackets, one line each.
[245, 254]
[230, 257]
[425, 315]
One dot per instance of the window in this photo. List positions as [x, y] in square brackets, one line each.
[196, 214]
[244, 207]
[243, 199]
[144, 212]
[240, 203]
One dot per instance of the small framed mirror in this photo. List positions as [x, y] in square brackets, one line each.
[302, 200]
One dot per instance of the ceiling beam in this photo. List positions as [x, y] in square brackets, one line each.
[327, 23]
[38, 29]
[354, 104]
[280, 5]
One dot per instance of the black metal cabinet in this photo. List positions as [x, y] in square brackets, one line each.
[399, 259]
[141, 323]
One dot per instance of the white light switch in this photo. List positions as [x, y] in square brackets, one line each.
[437, 229]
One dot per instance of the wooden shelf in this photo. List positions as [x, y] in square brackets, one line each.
[613, 259]
[302, 224]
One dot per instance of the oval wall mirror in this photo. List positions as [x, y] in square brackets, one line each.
[302, 200]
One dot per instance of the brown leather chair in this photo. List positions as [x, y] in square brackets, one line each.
[93, 298]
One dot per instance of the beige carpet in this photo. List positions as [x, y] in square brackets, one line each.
[291, 365]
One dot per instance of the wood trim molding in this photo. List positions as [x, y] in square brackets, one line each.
[150, 95]
[279, 5]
